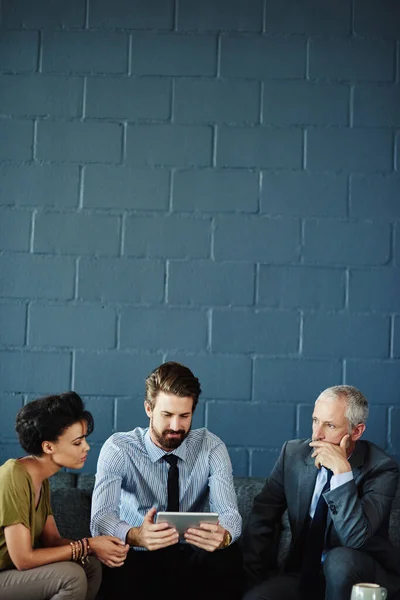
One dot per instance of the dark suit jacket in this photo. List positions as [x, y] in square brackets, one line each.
[358, 511]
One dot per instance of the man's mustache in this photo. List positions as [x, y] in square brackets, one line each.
[179, 432]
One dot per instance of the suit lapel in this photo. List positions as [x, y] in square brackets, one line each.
[308, 476]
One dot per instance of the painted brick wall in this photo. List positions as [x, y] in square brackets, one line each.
[215, 182]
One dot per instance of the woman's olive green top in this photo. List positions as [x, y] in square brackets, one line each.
[17, 505]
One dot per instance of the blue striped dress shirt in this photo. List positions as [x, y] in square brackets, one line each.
[131, 478]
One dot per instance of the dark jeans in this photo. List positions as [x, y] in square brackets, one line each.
[177, 572]
[343, 568]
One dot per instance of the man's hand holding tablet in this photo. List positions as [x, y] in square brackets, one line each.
[208, 536]
[199, 529]
[151, 535]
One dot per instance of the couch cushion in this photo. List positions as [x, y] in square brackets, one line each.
[85, 481]
[71, 508]
[394, 528]
[62, 479]
[246, 490]
[71, 501]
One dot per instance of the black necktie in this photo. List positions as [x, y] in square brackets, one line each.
[173, 483]
[314, 543]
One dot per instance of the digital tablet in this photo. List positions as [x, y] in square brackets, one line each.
[183, 520]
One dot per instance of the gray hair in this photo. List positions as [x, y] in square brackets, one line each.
[357, 405]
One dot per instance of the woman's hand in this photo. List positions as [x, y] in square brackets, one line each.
[109, 550]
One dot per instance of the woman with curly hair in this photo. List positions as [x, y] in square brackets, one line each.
[36, 563]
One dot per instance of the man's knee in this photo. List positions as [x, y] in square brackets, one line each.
[252, 594]
[337, 561]
[275, 588]
[343, 565]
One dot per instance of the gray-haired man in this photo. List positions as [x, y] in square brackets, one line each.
[338, 491]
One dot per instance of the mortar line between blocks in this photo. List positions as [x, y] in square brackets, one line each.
[87, 9]
[32, 231]
[40, 52]
[218, 49]
[84, 95]
[175, 15]
[72, 372]
[301, 332]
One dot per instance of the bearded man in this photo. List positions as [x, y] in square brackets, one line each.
[168, 467]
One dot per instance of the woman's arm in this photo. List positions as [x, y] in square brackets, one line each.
[110, 550]
[51, 537]
[19, 546]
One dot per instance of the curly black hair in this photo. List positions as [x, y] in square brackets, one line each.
[45, 419]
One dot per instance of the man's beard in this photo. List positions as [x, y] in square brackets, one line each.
[166, 442]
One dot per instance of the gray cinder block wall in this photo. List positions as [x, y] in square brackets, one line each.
[215, 182]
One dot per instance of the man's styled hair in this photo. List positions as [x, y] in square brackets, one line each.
[172, 378]
[45, 419]
[357, 405]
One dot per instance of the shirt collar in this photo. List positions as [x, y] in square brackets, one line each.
[155, 453]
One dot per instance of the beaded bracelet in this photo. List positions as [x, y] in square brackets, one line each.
[80, 550]
[80, 553]
[73, 551]
[84, 557]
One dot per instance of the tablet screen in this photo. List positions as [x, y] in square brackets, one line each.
[183, 520]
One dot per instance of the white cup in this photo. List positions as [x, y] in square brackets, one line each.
[368, 591]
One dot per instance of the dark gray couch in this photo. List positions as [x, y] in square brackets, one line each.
[71, 499]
